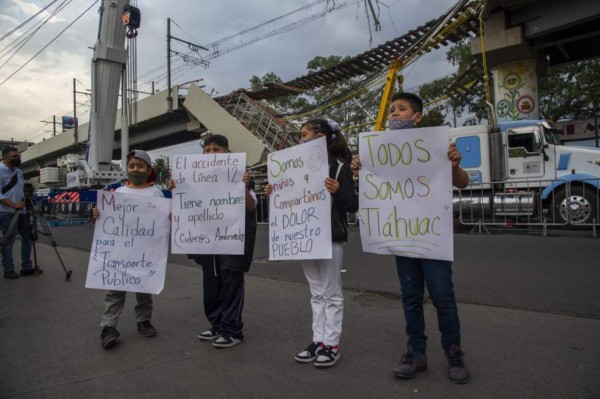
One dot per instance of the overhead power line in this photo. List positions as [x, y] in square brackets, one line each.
[26, 39]
[25, 22]
[284, 23]
[49, 43]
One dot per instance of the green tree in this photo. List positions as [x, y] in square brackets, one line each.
[163, 170]
[570, 91]
[282, 104]
[456, 104]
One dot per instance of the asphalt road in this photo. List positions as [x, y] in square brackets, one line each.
[515, 269]
[528, 308]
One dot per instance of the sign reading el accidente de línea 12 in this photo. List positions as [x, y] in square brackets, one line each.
[209, 204]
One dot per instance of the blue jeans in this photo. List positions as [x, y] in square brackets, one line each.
[7, 249]
[414, 274]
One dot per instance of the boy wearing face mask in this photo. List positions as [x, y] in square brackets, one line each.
[405, 113]
[140, 176]
[12, 200]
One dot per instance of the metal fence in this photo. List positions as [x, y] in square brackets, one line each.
[567, 205]
[68, 209]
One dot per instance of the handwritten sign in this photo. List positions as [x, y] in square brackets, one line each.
[405, 193]
[209, 204]
[131, 243]
[299, 206]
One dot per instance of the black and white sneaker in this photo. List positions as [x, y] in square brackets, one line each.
[328, 356]
[226, 342]
[310, 353]
[209, 335]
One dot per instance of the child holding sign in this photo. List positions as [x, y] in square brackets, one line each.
[223, 275]
[324, 275]
[140, 176]
[405, 113]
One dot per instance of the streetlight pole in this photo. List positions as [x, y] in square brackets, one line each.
[169, 96]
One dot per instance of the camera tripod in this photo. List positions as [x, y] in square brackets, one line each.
[32, 222]
[33, 213]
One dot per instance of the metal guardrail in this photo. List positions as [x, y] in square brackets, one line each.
[68, 209]
[570, 205]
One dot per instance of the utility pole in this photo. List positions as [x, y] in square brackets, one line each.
[54, 123]
[75, 122]
[187, 58]
[75, 138]
[596, 123]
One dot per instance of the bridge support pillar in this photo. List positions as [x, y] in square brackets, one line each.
[513, 65]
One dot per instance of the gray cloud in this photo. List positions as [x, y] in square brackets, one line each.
[44, 87]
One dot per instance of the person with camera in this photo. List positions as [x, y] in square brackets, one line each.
[12, 204]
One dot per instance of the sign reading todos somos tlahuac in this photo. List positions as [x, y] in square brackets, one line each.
[209, 204]
[405, 193]
[299, 205]
[131, 243]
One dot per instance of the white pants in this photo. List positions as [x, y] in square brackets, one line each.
[324, 277]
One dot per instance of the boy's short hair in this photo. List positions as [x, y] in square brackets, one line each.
[7, 150]
[217, 139]
[415, 101]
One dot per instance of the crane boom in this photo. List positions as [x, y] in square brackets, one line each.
[108, 63]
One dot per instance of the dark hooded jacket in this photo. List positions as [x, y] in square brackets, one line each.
[344, 201]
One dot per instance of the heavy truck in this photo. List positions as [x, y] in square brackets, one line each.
[521, 171]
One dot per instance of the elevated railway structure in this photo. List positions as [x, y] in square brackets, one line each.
[252, 125]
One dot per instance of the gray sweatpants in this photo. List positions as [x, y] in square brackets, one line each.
[114, 303]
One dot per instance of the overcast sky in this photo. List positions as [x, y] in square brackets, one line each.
[45, 86]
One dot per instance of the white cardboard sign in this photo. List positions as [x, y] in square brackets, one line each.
[208, 204]
[131, 243]
[405, 193]
[299, 205]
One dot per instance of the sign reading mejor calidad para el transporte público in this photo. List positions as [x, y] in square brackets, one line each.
[131, 243]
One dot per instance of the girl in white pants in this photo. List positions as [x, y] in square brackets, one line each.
[324, 275]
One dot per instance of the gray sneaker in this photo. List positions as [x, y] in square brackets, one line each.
[410, 363]
[457, 370]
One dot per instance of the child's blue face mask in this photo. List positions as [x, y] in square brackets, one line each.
[397, 124]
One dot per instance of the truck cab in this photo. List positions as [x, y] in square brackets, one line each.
[520, 168]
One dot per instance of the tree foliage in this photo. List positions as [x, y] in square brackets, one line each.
[567, 92]
[354, 116]
[571, 91]
[163, 170]
[454, 107]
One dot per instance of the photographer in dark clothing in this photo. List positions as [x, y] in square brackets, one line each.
[12, 204]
